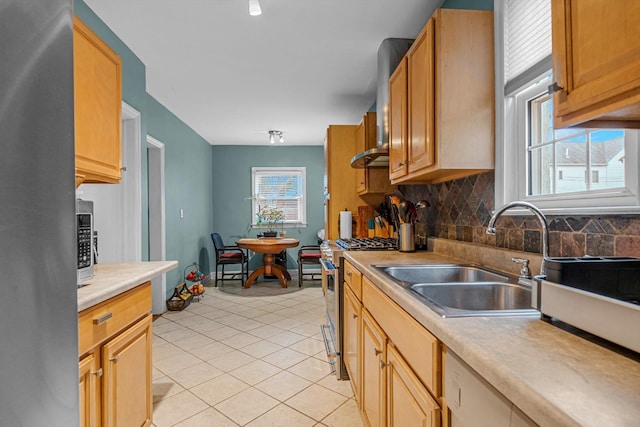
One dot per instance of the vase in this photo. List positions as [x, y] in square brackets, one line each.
[270, 233]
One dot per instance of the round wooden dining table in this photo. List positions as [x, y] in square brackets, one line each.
[269, 247]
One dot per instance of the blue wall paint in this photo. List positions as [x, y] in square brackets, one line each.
[232, 185]
[468, 4]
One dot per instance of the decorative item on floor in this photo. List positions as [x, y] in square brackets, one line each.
[180, 299]
[308, 254]
[195, 275]
[226, 255]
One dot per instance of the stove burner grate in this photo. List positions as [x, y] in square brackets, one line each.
[368, 244]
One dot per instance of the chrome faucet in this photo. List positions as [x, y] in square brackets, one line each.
[491, 228]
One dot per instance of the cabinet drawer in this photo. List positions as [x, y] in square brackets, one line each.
[102, 321]
[353, 278]
[419, 348]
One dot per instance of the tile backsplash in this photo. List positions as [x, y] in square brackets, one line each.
[460, 210]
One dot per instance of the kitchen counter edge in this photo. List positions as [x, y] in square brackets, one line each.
[111, 279]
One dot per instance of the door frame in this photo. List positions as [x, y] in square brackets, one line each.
[132, 184]
[157, 219]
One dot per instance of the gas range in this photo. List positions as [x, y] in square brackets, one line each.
[368, 244]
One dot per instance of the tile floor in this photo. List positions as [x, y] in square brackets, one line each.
[248, 357]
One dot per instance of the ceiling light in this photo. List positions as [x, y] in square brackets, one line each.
[275, 133]
[254, 8]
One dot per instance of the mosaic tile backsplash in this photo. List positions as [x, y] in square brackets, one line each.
[460, 210]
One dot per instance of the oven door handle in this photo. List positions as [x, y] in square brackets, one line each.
[328, 267]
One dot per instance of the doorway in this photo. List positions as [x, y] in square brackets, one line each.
[157, 237]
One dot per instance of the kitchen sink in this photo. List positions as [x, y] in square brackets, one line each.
[459, 290]
[441, 273]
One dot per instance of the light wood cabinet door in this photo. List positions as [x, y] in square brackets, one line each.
[352, 338]
[421, 147]
[127, 377]
[98, 106]
[373, 372]
[89, 398]
[408, 401]
[398, 121]
[596, 62]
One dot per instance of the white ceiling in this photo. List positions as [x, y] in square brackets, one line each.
[298, 67]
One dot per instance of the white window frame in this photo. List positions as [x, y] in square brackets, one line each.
[512, 173]
[302, 222]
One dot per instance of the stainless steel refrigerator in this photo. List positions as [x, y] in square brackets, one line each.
[38, 295]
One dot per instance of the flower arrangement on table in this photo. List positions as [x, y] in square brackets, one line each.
[271, 216]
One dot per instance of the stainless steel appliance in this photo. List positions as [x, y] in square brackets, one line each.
[39, 317]
[333, 285]
[85, 240]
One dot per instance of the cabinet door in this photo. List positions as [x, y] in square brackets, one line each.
[421, 146]
[352, 331]
[127, 395]
[596, 60]
[98, 106]
[398, 121]
[408, 401]
[89, 397]
[373, 371]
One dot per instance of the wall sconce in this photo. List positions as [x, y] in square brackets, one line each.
[254, 8]
[275, 133]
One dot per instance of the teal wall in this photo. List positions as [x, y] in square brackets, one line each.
[232, 185]
[188, 174]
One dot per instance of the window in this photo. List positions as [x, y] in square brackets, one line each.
[283, 188]
[562, 171]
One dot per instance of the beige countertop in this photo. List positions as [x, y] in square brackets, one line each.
[110, 280]
[555, 377]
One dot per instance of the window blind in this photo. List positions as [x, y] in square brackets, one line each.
[281, 189]
[527, 38]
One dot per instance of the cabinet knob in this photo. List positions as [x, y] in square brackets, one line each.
[355, 316]
[348, 273]
[114, 359]
[97, 373]
[383, 365]
[376, 351]
[554, 87]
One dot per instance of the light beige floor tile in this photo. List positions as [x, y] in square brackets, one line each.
[232, 320]
[246, 405]
[285, 358]
[165, 387]
[247, 325]
[311, 369]
[211, 350]
[196, 374]
[207, 418]
[167, 412]
[266, 331]
[230, 361]
[343, 386]
[165, 327]
[175, 315]
[309, 346]
[316, 402]
[255, 372]
[281, 416]
[286, 323]
[218, 389]
[193, 342]
[261, 348]
[221, 332]
[283, 385]
[346, 415]
[286, 338]
[166, 351]
[241, 339]
[306, 329]
[155, 374]
[176, 363]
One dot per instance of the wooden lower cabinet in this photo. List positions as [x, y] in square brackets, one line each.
[115, 361]
[374, 345]
[352, 338]
[408, 401]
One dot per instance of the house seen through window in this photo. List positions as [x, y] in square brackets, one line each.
[282, 189]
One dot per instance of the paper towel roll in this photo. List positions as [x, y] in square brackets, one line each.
[345, 224]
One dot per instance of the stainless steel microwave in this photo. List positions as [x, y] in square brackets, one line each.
[84, 237]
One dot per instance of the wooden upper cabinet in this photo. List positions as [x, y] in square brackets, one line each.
[398, 121]
[450, 107]
[596, 62]
[98, 106]
[370, 180]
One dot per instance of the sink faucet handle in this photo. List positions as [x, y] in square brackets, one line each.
[525, 273]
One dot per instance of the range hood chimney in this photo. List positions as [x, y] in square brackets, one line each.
[390, 52]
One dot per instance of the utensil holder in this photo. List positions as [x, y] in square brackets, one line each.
[406, 237]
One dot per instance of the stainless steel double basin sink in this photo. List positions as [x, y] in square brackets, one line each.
[462, 290]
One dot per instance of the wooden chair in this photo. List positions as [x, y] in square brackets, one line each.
[308, 255]
[226, 255]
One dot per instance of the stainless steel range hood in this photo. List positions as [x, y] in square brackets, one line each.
[390, 52]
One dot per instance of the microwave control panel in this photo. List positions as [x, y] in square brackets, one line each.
[85, 236]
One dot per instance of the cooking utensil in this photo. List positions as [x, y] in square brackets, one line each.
[403, 211]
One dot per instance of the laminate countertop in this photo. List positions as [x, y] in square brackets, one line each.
[553, 375]
[113, 279]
